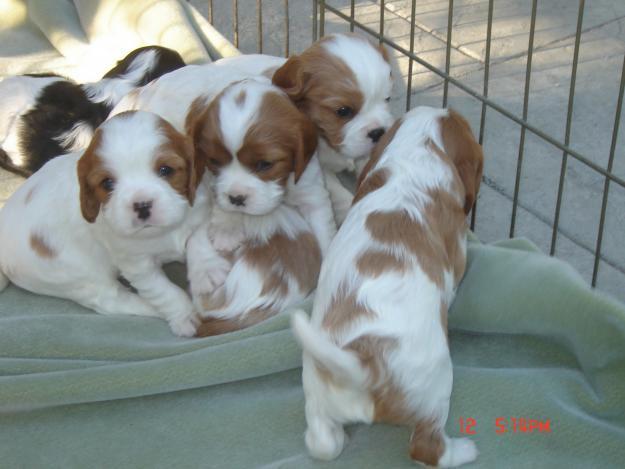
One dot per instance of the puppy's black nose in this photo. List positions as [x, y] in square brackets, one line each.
[143, 209]
[375, 134]
[238, 200]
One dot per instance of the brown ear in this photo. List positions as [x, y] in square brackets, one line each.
[306, 146]
[181, 145]
[89, 203]
[466, 154]
[377, 151]
[291, 78]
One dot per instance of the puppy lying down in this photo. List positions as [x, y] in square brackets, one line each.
[375, 347]
[125, 205]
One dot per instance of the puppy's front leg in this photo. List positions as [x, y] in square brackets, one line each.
[169, 300]
[206, 268]
[312, 199]
[340, 196]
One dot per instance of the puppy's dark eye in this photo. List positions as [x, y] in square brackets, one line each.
[165, 171]
[388, 99]
[345, 111]
[107, 184]
[263, 166]
[214, 161]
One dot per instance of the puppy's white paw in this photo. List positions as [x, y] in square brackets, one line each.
[224, 240]
[184, 325]
[458, 451]
[325, 443]
[203, 282]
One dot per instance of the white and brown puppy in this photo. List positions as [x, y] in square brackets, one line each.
[124, 206]
[256, 255]
[343, 83]
[375, 349]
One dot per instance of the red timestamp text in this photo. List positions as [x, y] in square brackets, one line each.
[502, 425]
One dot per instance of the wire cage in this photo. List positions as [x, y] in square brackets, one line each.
[542, 84]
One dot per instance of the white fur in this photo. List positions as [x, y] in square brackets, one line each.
[112, 90]
[77, 138]
[89, 257]
[420, 365]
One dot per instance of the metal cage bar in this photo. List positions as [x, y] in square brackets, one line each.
[413, 10]
[259, 18]
[235, 22]
[381, 20]
[528, 74]
[322, 18]
[210, 11]
[567, 135]
[352, 15]
[287, 39]
[489, 31]
[606, 186]
[450, 16]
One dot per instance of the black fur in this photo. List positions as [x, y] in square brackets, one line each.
[63, 104]
[168, 60]
[60, 106]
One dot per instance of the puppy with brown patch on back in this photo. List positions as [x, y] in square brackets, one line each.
[375, 347]
[256, 255]
[343, 83]
[124, 206]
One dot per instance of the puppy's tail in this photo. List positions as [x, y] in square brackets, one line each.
[4, 281]
[343, 365]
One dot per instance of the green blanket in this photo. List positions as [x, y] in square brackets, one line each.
[528, 339]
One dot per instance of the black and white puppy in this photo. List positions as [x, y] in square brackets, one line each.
[46, 115]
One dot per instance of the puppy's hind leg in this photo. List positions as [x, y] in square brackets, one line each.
[430, 445]
[325, 438]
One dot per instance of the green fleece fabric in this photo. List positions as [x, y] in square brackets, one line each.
[528, 339]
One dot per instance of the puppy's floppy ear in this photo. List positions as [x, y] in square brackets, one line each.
[89, 203]
[291, 78]
[466, 154]
[306, 145]
[182, 146]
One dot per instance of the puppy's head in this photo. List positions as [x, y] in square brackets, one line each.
[145, 64]
[252, 138]
[343, 83]
[137, 174]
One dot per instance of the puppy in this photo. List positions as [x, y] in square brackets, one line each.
[343, 83]
[256, 255]
[375, 349]
[124, 206]
[182, 96]
[45, 115]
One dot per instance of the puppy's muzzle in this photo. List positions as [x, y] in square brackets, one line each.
[237, 200]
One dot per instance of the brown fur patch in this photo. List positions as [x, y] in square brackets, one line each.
[41, 248]
[240, 99]
[388, 399]
[426, 442]
[299, 258]
[177, 153]
[320, 83]
[375, 180]
[344, 310]
[374, 263]
[465, 153]
[281, 135]
[91, 174]
[376, 153]
[214, 326]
